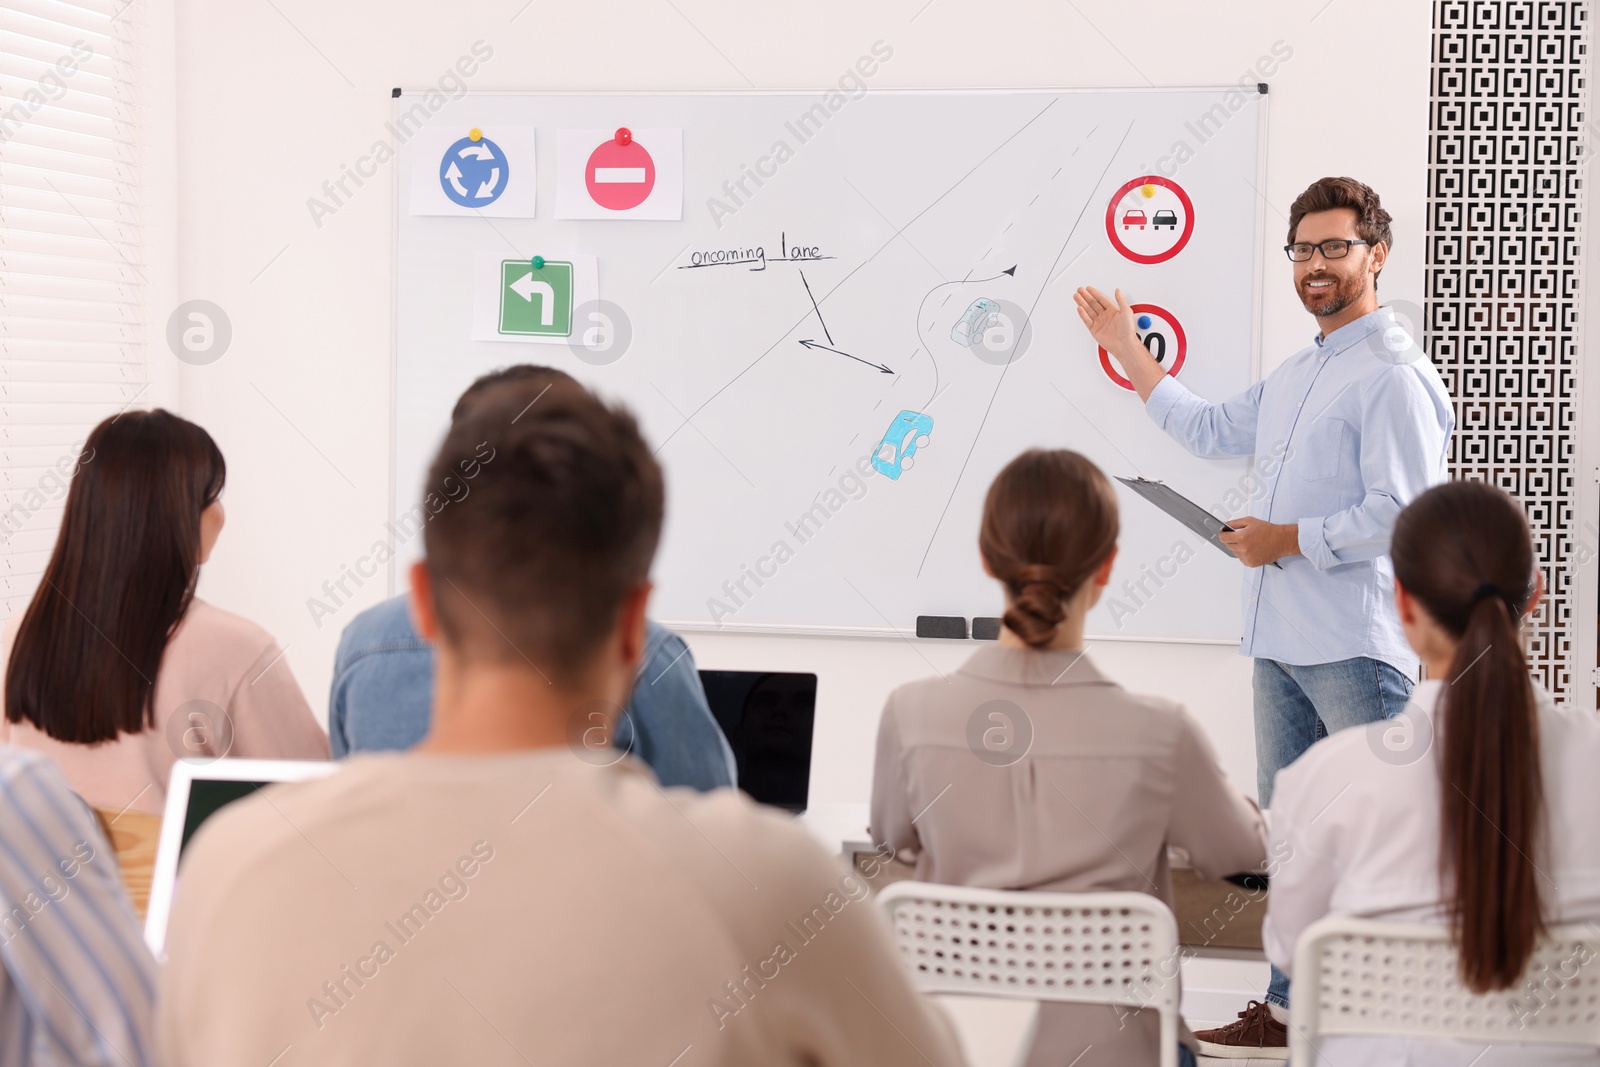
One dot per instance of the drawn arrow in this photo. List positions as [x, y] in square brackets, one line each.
[481, 151]
[487, 188]
[1011, 270]
[454, 177]
[814, 344]
[818, 310]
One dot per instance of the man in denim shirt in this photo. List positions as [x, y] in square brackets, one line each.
[1363, 423]
[382, 690]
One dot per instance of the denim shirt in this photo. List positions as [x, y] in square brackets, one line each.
[382, 696]
[1362, 423]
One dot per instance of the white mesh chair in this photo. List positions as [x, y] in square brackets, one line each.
[1091, 948]
[1360, 976]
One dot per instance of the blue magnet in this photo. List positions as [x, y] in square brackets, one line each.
[1144, 322]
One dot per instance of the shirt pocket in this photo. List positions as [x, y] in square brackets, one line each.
[1321, 447]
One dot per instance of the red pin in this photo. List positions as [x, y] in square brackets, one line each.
[624, 135]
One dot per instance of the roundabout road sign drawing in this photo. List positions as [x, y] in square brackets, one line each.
[457, 170]
[474, 173]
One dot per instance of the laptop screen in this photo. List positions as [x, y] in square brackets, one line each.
[195, 792]
[207, 796]
[768, 718]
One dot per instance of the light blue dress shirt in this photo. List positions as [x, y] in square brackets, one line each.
[1362, 423]
[382, 698]
[77, 983]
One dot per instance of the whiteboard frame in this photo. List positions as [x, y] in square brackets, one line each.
[700, 626]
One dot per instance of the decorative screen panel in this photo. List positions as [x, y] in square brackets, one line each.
[1507, 152]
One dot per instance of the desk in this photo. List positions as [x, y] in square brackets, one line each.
[133, 835]
[1215, 919]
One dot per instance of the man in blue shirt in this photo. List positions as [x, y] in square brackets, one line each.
[382, 691]
[1363, 423]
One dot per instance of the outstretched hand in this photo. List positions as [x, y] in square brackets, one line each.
[1110, 322]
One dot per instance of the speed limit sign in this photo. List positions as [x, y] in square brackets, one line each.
[1160, 332]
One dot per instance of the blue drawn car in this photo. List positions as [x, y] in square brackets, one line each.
[908, 432]
[979, 317]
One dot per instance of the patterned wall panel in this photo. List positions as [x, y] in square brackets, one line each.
[1507, 152]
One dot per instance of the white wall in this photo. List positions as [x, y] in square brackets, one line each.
[274, 99]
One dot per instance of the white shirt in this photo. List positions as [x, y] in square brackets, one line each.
[1355, 827]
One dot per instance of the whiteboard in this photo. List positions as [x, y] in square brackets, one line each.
[875, 240]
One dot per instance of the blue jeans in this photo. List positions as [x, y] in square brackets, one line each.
[1297, 706]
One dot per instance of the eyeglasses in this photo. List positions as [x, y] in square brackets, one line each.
[1334, 249]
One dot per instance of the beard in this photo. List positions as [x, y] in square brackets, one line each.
[1344, 292]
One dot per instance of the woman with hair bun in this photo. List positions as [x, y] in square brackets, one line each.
[1028, 768]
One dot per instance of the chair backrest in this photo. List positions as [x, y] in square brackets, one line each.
[1360, 976]
[1094, 948]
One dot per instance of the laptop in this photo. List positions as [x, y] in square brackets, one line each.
[767, 717]
[197, 790]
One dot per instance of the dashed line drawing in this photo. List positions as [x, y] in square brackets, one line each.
[1000, 380]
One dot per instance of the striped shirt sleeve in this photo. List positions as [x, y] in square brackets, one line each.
[78, 983]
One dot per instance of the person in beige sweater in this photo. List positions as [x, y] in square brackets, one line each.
[1029, 768]
[513, 890]
[115, 670]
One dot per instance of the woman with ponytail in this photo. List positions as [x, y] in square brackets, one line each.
[1475, 808]
[1029, 768]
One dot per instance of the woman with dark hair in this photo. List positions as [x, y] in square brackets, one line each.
[115, 670]
[1028, 768]
[1475, 807]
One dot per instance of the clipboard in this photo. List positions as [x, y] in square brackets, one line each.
[1196, 518]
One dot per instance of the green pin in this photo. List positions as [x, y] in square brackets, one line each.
[537, 262]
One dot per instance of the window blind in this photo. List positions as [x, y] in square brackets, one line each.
[72, 285]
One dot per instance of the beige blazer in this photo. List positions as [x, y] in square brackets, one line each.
[224, 688]
[1031, 769]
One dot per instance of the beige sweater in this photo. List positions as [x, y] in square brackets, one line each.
[220, 675]
[527, 907]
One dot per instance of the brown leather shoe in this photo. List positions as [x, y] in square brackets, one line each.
[1255, 1035]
